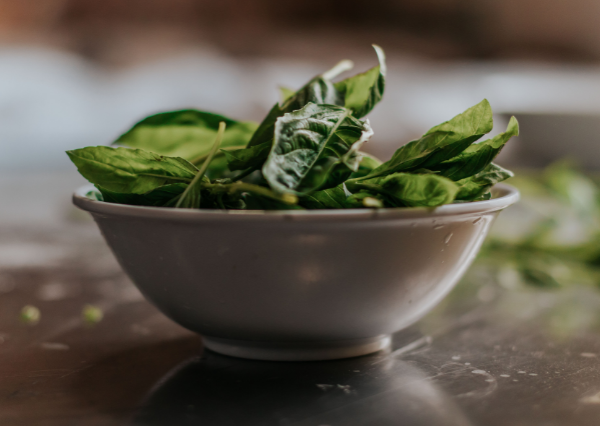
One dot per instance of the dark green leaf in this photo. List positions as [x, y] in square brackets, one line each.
[363, 91]
[478, 156]
[164, 196]
[187, 134]
[130, 170]
[477, 185]
[441, 142]
[411, 190]
[309, 143]
[318, 91]
[332, 198]
[245, 158]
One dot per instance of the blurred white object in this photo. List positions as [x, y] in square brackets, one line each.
[51, 101]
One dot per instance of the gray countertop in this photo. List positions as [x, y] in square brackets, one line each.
[488, 355]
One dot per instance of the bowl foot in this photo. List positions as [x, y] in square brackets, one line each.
[297, 351]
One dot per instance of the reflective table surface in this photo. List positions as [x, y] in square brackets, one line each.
[488, 355]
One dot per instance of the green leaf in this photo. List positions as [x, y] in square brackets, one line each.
[318, 91]
[478, 156]
[309, 143]
[367, 164]
[572, 186]
[363, 91]
[285, 93]
[130, 170]
[191, 197]
[164, 196]
[253, 157]
[477, 185]
[332, 198]
[187, 133]
[410, 190]
[441, 142]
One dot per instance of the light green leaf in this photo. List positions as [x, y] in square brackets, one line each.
[572, 186]
[411, 190]
[332, 198]
[363, 91]
[309, 143]
[441, 142]
[130, 170]
[163, 196]
[285, 93]
[477, 185]
[192, 196]
[478, 156]
[187, 133]
[367, 164]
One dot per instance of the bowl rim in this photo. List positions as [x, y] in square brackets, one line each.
[504, 196]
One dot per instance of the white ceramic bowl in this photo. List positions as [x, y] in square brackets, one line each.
[296, 285]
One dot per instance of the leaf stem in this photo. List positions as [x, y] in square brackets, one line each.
[201, 158]
[166, 177]
[249, 187]
[202, 171]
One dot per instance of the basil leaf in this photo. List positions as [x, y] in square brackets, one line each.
[410, 190]
[285, 93]
[363, 91]
[318, 91]
[309, 143]
[574, 188]
[130, 170]
[253, 157]
[332, 198]
[478, 156]
[477, 185]
[187, 133]
[367, 164]
[192, 196]
[163, 196]
[441, 142]
[359, 93]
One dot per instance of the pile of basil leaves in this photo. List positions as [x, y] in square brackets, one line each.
[306, 154]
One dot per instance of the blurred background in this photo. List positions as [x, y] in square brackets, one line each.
[75, 73]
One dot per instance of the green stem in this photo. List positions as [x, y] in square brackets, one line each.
[255, 189]
[198, 178]
[203, 157]
[180, 179]
[245, 173]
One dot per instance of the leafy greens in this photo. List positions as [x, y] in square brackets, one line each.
[305, 154]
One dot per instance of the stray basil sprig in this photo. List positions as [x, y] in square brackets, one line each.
[305, 154]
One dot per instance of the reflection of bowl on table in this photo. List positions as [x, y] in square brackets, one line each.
[296, 285]
[547, 137]
[225, 391]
